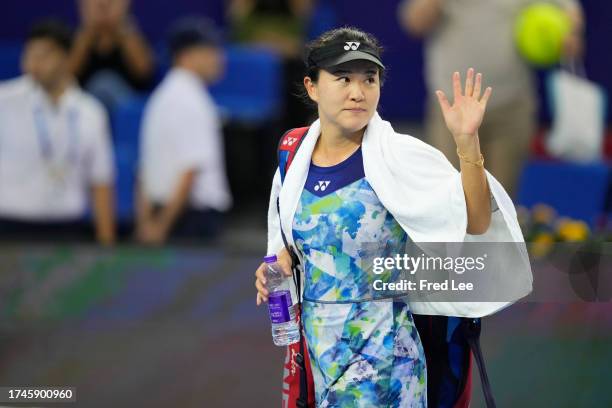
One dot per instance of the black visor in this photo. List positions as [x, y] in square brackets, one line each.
[340, 52]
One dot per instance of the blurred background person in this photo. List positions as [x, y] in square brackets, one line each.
[55, 146]
[183, 188]
[110, 57]
[280, 25]
[487, 28]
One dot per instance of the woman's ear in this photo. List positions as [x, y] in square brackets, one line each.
[311, 88]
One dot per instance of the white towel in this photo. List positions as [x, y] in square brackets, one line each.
[423, 191]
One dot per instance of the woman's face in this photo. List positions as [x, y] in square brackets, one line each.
[347, 95]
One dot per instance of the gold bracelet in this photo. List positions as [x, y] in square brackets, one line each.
[479, 163]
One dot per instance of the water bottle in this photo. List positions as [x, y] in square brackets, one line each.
[285, 329]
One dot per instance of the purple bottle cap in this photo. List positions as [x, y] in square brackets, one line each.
[270, 259]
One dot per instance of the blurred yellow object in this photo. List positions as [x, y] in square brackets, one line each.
[572, 230]
[540, 31]
[541, 245]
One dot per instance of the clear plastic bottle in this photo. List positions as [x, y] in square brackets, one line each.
[285, 329]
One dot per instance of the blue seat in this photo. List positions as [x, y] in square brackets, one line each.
[125, 121]
[10, 57]
[574, 190]
[251, 88]
[324, 17]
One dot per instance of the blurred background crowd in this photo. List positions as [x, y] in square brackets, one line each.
[150, 121]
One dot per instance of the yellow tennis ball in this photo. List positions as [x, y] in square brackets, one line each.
[540, 31]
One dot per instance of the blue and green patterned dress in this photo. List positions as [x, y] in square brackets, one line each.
[364, 352]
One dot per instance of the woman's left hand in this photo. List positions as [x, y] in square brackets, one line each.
[464, 116]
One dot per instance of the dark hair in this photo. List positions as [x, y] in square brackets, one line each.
[342, 34]
[54, 30]
[193, 31]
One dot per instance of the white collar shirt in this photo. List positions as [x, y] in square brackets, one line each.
[50, 154]
[181, 131]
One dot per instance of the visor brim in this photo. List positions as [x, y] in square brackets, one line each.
[351, 56]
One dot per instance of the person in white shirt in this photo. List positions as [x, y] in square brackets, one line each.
[460, 34]
[183, 188]
[54, 146]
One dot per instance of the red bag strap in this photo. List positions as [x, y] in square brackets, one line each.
[288, 146]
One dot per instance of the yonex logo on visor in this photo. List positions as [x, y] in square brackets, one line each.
[338, 52]
[351, 45]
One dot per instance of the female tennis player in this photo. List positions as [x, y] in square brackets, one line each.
[357, 190]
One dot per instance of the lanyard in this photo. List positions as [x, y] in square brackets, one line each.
[44, 138]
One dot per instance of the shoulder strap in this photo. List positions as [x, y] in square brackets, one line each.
[471, 330]
[288, 146]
